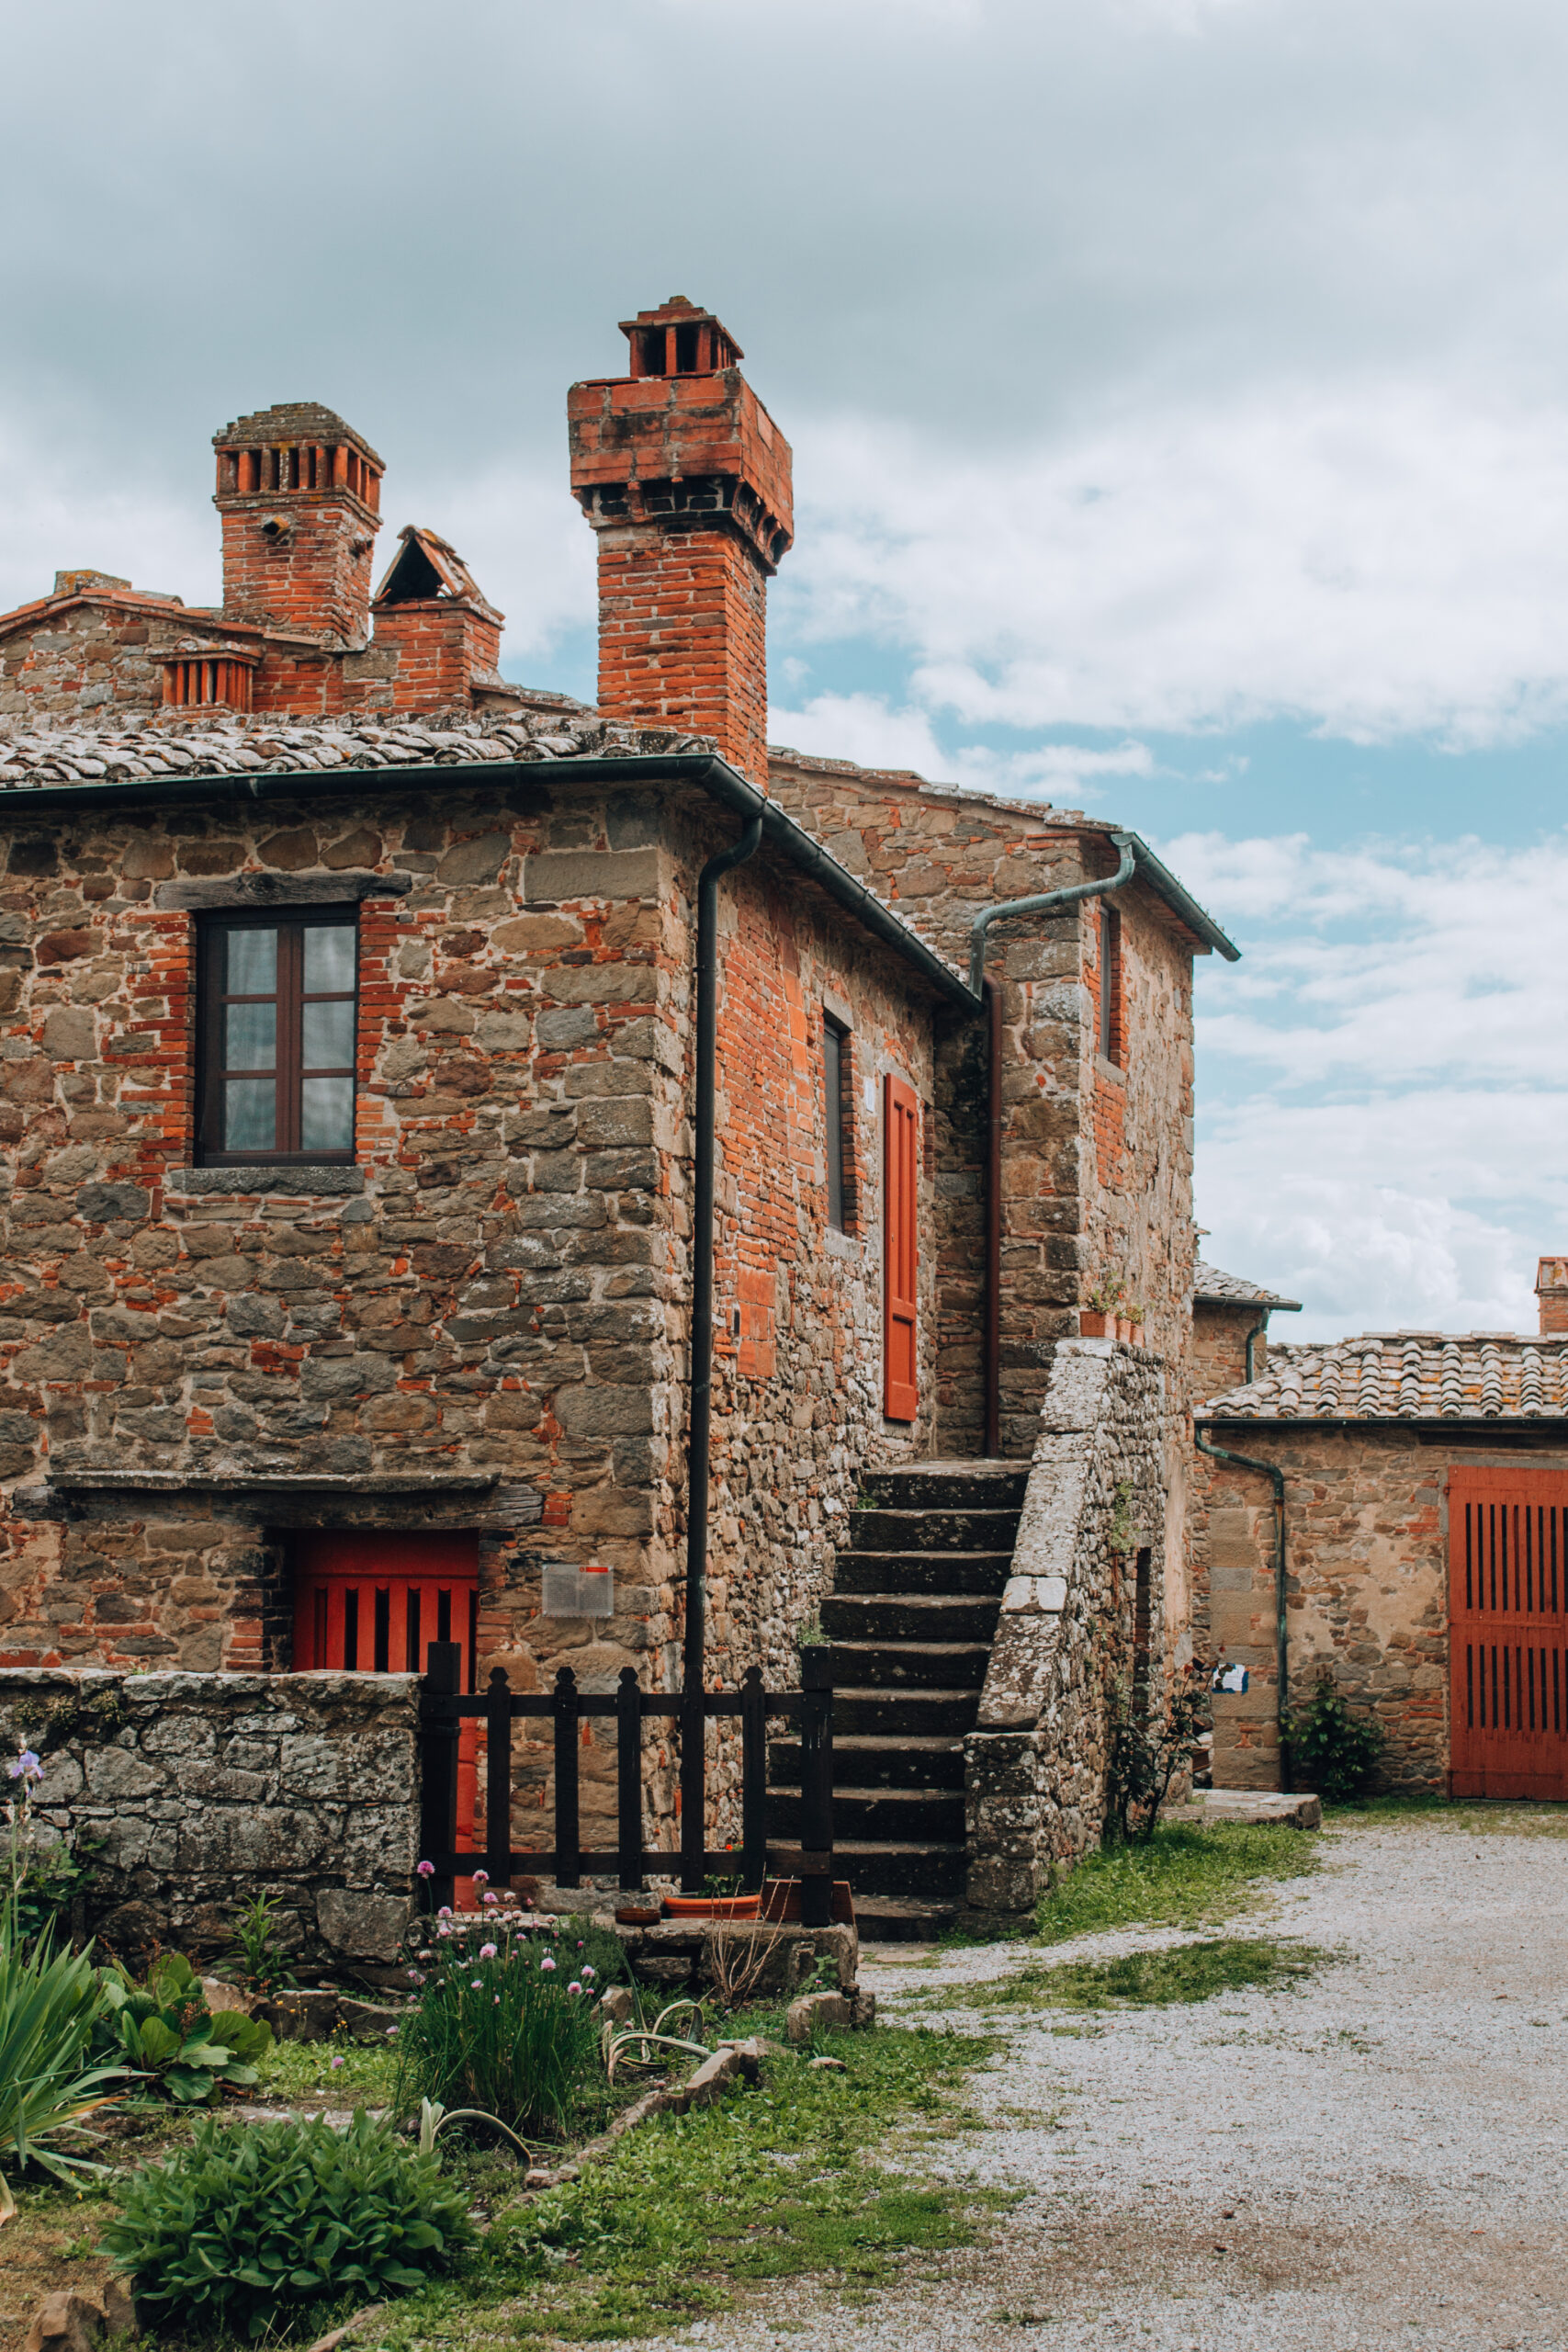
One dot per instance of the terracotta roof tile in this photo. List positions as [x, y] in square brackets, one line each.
[1405, 1377]
[1229, 1290]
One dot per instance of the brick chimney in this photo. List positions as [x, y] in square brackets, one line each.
[445, 630]
[300, 492]
[1552, 1294]
[687, 481]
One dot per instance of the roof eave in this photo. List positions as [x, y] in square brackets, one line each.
[705, 770]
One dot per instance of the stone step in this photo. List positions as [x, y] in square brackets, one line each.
[883, 1867]
[893, 1714]
[863, 1763]
[903, 1817]
[953, 1486]
[930, 1530]
[899, 1665]
[932, 1572]
[901, 1919]
[896, 1616]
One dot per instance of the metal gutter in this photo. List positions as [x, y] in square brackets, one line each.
[705, 770]
[1163, 884]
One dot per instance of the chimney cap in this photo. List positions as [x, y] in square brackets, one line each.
[1550, 1274]
[680, 338]
[289, 422]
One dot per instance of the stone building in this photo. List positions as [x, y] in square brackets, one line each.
[349, 1098]
[1421, 1529]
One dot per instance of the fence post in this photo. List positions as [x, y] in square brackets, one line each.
[628, 1776]
[694, 1791]
[569, 1869]
[816, 1788]
[753, 1780]
[498, 1778]
[438, 1733]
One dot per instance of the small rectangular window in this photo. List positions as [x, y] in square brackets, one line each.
[1109, 985]
[835, 1071]
[277, 1023]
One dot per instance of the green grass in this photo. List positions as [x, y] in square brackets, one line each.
[1184, 1877]
[1148, 1979]
[786, 2180]
[363, 2077]
[1153, 1979]
[1478, 1817]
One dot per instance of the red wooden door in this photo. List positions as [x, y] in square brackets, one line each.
[370, 1603]
[1508, 1633]
[900, 1144]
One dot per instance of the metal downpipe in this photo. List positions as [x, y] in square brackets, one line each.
[700, 1422]
[1281, 1631]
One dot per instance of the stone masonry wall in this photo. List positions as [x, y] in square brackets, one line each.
[1366, 1535]
[194, 1794]
[1095, 1505]
[1076, 1206]
[479, 1325]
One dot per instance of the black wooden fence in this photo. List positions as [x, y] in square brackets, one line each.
[443, 1708]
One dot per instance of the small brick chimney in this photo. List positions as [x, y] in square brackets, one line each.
[445, 630]
[1552, 1294]
[687, 481]
[300, 492]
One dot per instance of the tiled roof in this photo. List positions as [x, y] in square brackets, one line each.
[1230, 1290]
[1405, 1377]
[122, 750]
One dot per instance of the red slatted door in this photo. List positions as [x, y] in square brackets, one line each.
[1508, 1633]
[901, 1145]
[369, 1603]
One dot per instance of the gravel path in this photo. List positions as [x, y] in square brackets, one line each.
[1375, 2159]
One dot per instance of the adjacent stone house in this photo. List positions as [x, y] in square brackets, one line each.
[349, 1093]
[1423, 1500]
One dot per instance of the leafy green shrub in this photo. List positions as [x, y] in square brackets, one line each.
[164, 2032]
[1332, 1751]
[242, 2229]
[509, 2027]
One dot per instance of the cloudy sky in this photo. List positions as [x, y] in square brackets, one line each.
[1179, 398]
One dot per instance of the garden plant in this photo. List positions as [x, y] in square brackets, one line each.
[1333, 1751]
[163, 2031]
[244, 2230]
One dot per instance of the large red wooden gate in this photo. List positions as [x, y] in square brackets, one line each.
[1508, 1633]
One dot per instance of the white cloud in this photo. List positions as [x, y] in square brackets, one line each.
[867, 728]
[1379, 559]
[1382, 1089]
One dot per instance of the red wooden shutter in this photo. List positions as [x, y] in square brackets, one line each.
[901, 1142]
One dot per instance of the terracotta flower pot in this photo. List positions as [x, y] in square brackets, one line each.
[711, 1906]
[1093, 1324]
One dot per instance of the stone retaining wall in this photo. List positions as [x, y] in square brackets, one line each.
[208, 1790]
[1091, 1536]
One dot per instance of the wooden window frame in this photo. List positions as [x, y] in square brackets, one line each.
[837, 1095]
[900, 1242]
[290, 924]
[1110, 1041]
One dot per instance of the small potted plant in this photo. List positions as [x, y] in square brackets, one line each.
[1098, 1321]
[721, 1898]
[1130, 1324]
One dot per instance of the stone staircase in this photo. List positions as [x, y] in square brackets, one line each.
[917, 1592]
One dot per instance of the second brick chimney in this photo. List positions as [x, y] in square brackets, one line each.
[687, 481]
[300, 492]
[1552, 1294]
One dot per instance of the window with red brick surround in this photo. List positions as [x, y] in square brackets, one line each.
[275, 1029]
[900, 1147]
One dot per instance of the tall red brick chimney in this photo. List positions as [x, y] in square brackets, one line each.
[300, 492]
[687, 482]
[1552, 1294]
